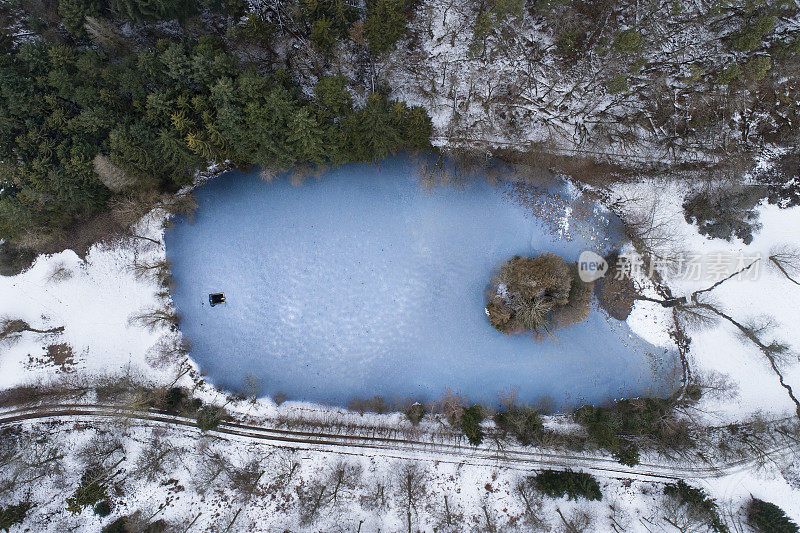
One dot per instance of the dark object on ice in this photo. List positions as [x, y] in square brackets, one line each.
[216, 298]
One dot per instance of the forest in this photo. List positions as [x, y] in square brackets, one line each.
[90, 117]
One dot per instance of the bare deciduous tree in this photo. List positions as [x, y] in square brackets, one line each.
[532, 502]
[128, 209]
[375, 496]
[449, 515]
[10, 460]
[313, 500]
[692, 317]
[251, 388]
[59, 272]
[169, 350]
[211, 466]
[11, 329]
[579, 521]
[246, 476]
[452, 406]
[103, 33]
[650, 228]
[158, 270]
[41, 459]
[180, 204]
[716, 385]
[619, 518]
[102, 448]
[113, 176]
[343, 479]
[410, 488]
[154, 319]
[678, 517]
[284, 464]
[489, 518]
[786, 259]
[157, 452]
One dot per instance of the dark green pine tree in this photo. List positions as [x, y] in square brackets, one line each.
[470, 424]
[13, 515]
[73, 14]
[159, 114]
[574, 485]
[333, 97]
[323, 36]
[415, 125]
[178, 159]
[155, 10]
[385, 23]
[306, 137]
[266, 119]
[767, 517]
[373, 131]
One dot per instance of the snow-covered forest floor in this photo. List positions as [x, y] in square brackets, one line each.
[565, 80]
[218, 483]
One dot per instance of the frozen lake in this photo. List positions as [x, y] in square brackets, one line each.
[363, 283]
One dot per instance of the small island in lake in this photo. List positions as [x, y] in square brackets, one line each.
[537, 295]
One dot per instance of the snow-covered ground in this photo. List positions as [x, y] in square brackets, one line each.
[761, 294]
[217, 482]
[95, 299]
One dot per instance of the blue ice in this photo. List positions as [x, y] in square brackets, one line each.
[361, 283]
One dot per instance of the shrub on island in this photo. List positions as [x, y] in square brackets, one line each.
[538, 295]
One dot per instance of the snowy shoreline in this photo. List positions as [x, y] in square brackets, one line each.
[86, 296]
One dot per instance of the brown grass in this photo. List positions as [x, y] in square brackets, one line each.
[59, 355]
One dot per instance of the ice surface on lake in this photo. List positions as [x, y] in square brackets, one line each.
[363, 283]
